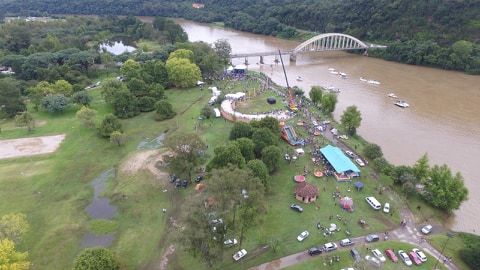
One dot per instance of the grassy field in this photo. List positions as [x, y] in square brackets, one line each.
[53, 190]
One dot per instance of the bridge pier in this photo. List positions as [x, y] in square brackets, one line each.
[261, 60]
[246, 61]
[293, 57]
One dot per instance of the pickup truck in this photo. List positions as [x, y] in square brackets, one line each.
[240, 254]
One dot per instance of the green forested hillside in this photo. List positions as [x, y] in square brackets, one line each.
[419, 32]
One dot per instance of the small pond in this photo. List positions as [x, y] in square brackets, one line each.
[116, 47]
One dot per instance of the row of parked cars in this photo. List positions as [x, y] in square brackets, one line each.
[416, 256]
[330, 246]
[182, 183]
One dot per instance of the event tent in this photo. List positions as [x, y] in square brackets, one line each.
[346, 203]
[339, 161]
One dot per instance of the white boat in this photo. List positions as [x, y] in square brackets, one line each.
[392, 95]
[343, 75]
[373, 82]
[331, 69]
[333, 89]
[334, 72]
[363, 79]
[299, 78]
[402, 103]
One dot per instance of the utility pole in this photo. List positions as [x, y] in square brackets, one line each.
[449, 235]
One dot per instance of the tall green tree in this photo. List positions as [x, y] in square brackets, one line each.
[56, 103]
[262, 138]
[223, 49]
[125, 104]
[10, 258]
[241, 130]
[97, 258]
[315, 94]
[421, 168]
[87, 117]
[271, 156]
[11, 101]
[329, 102]
[351, 119]
[25, 119]
[110, 123]
[187, 157]
[372, 151]
[13, 227]
[444, 190]
[182, 72]
[164, 110]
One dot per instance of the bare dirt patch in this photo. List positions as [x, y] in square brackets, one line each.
[146, 159]
[30, 146]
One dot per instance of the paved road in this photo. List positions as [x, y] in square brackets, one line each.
[408, 234]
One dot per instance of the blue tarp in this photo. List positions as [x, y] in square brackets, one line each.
[339, 161]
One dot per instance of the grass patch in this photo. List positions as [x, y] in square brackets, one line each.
[103, 226]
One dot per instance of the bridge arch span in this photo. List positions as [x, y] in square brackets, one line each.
[330, 42]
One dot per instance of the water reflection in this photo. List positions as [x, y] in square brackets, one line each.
[116, 47]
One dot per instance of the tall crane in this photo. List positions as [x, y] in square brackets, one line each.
[291, 105]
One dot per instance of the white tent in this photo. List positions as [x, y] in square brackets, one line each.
[235, 96]
[240, 67]
[200, 83]
[300, 151]
[230, 68]
[215, 91]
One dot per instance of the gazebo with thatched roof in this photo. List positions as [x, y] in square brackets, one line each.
[306, 192]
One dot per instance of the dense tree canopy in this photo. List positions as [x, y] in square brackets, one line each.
[351, 119]
[98, 258]
[444, 190]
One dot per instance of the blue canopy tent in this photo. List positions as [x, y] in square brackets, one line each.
[358, 185]
[344, 168]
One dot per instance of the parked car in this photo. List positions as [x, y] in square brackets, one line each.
[198, 179]
[185, 184]
[355, 255]
[230, 242]
[372, 238]
[404, 257]
[297, 208]
[346, 242]
[178, 183]
[314, 251]
[216, 221]
[414, 258]
[350, 154]
[386, 208]
[378, 254]
[391, 255]
[360, 162]
[172, 178]
[329, 246]
[420, 254]
[427, 229]
[372, 260]
[303, 236]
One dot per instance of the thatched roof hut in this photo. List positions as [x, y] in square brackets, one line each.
[306, 192]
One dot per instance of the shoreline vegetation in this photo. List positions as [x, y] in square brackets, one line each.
[53, 190]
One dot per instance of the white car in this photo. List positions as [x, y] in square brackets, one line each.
[372, 260]
[230, 242]
[386, 208]
[350, 154]
[378, 254]
[303, 236]
[360, 162]
[404, 257]
[427, 229]
[420, 254]
[329, 246]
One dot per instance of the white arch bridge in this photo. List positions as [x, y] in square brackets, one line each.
[320, 43]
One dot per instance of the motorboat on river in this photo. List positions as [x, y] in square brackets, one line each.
[402, 103]
[299, 78]
[392, 95]
[373, 82]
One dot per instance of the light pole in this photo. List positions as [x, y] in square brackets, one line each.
[449, 235]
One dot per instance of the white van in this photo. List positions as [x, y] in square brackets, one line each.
[217, 113]
[373, 203]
